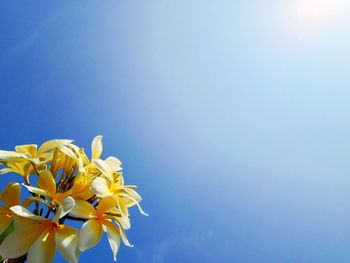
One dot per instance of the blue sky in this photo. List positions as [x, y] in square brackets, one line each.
[232, 117]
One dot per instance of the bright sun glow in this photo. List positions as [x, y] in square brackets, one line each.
[306, 15]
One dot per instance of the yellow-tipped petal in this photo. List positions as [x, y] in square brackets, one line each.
[113, 237]
[105, 204]
[97, 147]
[136, 203]
[8, 170]
[100, 188]
[124, 237]
[67, 242]
[43, 249]
[21, 211]
[5, 221]
[122, 207]
[18, 242]
[90, 234]
[11, 194]
[49, 145]
[47, 182]
[132, 193]
[114, 163]
[83, 209]
[104, 169]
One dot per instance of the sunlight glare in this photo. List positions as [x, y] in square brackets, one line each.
[306, 15]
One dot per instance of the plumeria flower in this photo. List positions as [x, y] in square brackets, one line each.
[98, 220]
[10, 197]
[29, 152]
[47, 187]
[106, 167]
[70, 186]
[42, 237]
[125, 196]
[26, 159]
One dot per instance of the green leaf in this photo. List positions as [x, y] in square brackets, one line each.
[8, 230]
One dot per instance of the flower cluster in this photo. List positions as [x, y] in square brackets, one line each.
[64, 184]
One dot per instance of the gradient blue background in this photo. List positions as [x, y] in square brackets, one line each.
[231, 119]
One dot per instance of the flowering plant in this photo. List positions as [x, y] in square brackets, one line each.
[64, 185]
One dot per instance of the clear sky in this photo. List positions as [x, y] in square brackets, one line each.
[232, 117]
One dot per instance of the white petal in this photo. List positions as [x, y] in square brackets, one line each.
[96, 147]
[132, 193]
[124, 237]
[100, 188]
[113, 237]
[114, 163]
[67, 242]
[36, 190]
[21, 211]
[49, 145]
[64, 208]
[104, 169]
[8, 155]
[90, 234]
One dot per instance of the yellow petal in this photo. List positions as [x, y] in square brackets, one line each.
[11, 195]
[22, 222]
[67, 242]
[21, 211]
[5, 221]
[49, 145]
[67, 151]
[4, 210]
[47, 182]
[100, 188]
[43, 249]
[29, 149]
[83, 209]
[81, 184]
[97, 147]
[18, 242]
[105, 204]
[113, 237]
[90, 234]
[114, 163]
[104, 169]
